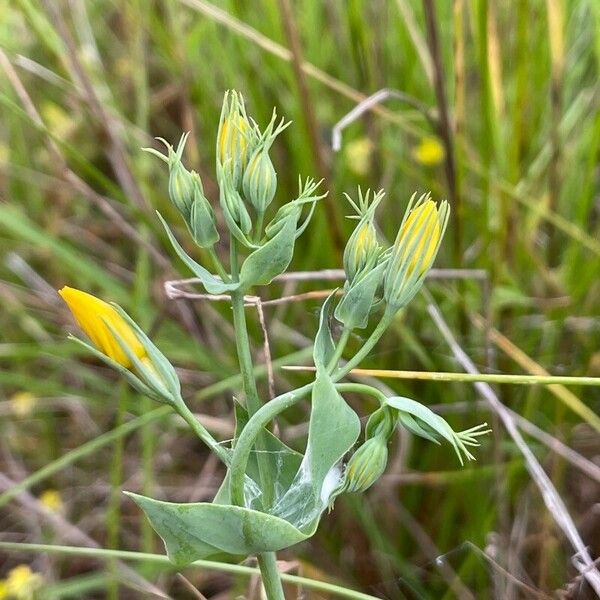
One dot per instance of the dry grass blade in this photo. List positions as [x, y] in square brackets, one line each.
[550, 495]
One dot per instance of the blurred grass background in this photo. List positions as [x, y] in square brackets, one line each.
[514, 86]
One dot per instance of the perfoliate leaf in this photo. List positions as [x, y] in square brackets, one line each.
[201, 530]
[333, 429]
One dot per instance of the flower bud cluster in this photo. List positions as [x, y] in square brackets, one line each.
[187, 194]
[394, 275]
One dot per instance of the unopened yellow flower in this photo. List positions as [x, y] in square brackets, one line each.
[93, 316]
[22, 403]
[22, 582]
[51, 500]
[422, 224]
[429, 152]
[233, 142]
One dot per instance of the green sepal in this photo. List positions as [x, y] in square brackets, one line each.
[202, 530]
[427, 419]
[212, 284]
[134, 381]
[272, 258]
[324, 346]
[356, 304]
[201, 220]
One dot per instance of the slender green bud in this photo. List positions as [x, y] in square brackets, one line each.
[202, 218]
[361, 250]
[181, 188]
[260, 180]
[381, 423]
[366, 465]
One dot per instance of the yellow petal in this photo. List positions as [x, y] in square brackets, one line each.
[424, 218]
[92, 315]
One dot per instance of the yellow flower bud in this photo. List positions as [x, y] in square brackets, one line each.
[93, 315]
[362, 249]
[233, 138]
[419, 236]
[429, 152]
[414, 250]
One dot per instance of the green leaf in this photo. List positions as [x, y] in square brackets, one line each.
[324, 347]
[333, 429]
[272, 258]
[200, 530]
[354, 308]
[282, 461]
[212, 284]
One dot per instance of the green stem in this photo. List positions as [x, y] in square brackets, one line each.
[221, 272]
[361, 388]
[270, 576]
[260, 217]
[245, 442]
[202, 432]
[367, 347]
[339, 350]
[267, 561]
[163, 561]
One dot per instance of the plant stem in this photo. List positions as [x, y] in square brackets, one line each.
[270, 576]
[202, 432]
[160, 560]
[361, 388]
[367, 347]
[221, 272]
[267, 561]
[339, 350]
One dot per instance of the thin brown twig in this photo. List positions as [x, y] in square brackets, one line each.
[266, 347]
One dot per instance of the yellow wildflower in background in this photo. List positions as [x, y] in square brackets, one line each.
[51, 500]
[22, 583]
[422, 224]
[22, 403]
[3, 590]
[429, 152]
[358, 155]
[93, 315]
